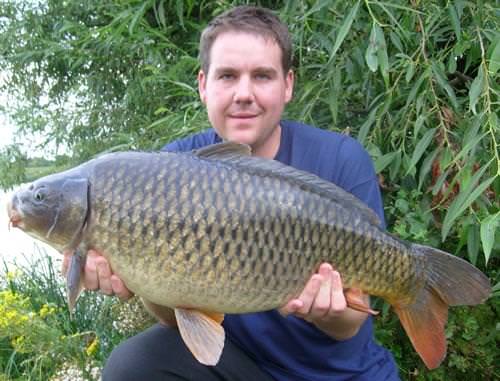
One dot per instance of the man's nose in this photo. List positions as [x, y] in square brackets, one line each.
[243, 92]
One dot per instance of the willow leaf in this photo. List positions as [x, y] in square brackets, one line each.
[443, 83]
[316, 7]
[365, 128]
[136, 19]
[371, 56]
[161, 15]
[420, 149]
[472, 143]
[179, 7]
[383, 161]
[473, 241]
[414, 90]
[476, 89]
[426, 167]
[455, 22]
[465, 199]
[495, 290]
[495, 58]
[488, 228]
[383, 58]
[410, 71]
[344, 29]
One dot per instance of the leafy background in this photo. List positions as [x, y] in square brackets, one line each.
[415, 81]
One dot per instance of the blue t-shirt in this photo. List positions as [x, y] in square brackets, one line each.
[290, 348]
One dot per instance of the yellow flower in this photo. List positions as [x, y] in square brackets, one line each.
[46, 310]
[12, 275]
[9, 298]
[92, 348]
[13, 311]
[19, 344]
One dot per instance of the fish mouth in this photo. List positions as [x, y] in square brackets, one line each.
[15, 218]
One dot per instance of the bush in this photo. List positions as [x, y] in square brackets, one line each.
[40, 340]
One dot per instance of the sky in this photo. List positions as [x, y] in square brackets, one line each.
[6, 127]
[6, 131]
[15, 245]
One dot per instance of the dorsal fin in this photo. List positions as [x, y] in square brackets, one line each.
[238, 156]
[225, 150]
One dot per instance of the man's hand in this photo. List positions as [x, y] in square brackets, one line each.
[97, 275]
[323, 303]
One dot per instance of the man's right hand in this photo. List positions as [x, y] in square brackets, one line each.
[97, 275]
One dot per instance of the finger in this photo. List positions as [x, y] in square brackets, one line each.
[338, 301]
[120, 289]
[309, 294]
[104, 276]
[90, 277]
[65, 262]
[291, 307]
[322, 302]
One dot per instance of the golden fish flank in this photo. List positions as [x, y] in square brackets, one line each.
[218, 230]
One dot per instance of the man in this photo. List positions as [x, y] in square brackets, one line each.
[245, 82]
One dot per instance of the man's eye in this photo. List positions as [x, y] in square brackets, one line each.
[262, 77]
[226, 77]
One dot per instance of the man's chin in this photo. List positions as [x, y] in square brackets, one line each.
[242, 135]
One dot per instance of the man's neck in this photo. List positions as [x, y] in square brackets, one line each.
[269, 148]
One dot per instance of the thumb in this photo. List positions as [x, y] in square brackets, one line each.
[291, 307]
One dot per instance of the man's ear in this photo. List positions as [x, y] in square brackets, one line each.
[289, 80]
[202, 86]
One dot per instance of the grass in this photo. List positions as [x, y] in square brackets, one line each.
[40, 340]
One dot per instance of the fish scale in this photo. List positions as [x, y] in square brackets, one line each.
[218, 230]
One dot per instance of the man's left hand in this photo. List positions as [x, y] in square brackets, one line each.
[323, 303]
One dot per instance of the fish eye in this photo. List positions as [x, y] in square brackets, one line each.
[39, 196]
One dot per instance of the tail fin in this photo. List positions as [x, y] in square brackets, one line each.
[450, 281]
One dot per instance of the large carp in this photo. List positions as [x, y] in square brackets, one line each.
[218, 231]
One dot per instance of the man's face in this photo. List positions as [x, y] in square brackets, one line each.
[245, 89]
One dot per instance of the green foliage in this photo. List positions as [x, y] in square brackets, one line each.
[16, 168]
[40, 340]
[415, 81]
[12, 166]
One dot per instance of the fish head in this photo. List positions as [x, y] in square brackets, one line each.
[52, 209]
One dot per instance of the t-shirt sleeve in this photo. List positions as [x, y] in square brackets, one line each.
[357, 176]
[181, 145]
[192, 142]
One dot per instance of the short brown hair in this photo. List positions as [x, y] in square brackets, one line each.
[251, 19]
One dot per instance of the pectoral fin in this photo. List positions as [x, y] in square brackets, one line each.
[203, 334]
[74, 281]
[354, 298]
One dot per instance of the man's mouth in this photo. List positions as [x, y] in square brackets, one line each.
[242, 116]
